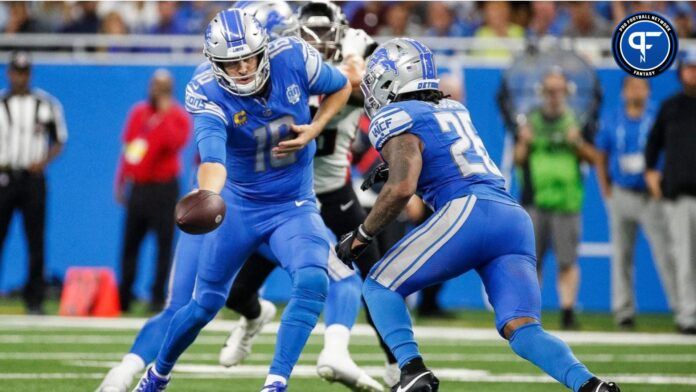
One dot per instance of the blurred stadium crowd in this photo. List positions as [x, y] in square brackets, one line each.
[394, 18]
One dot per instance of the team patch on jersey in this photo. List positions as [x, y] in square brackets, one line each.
[240, 118]
[293, 93]
[390, 122]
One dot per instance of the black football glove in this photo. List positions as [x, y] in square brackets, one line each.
[344, 249]
[377, 175]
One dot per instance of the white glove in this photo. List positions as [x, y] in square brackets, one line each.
[355, 42]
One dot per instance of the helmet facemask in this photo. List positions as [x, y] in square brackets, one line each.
[233, 36]
[231, 84]
[324, 35]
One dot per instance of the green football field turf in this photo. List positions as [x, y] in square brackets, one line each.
[51, 354]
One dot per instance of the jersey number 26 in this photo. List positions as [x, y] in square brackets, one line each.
[468, 152]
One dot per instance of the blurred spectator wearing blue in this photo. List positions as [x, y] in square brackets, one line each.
[441, 21]
[543, 20]
[620, 165]
[168, 22]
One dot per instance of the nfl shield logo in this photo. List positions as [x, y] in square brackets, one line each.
[293, 93]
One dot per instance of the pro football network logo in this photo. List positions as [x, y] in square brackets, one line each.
[644, 44]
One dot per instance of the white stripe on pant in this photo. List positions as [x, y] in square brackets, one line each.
[416, 253]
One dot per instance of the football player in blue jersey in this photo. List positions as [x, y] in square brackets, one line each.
[344, 287]
[256, 141]
[431, 147]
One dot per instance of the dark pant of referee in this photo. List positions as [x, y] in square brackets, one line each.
[25, 191]
[150, 207]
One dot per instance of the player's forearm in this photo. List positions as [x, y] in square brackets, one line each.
[331, 105]
[390, 202]
[211, 176]
[405, 163]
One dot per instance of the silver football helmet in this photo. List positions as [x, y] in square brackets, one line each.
[398, 66]
[275, 16]
[233, 35]
[323, 25]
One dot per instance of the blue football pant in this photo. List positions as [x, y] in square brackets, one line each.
[296, 234]
[496, 240]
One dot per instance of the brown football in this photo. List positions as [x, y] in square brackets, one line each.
[200, 212]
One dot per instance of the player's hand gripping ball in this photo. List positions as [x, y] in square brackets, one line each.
[200, 212]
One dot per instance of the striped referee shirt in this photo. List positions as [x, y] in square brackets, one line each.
[29, 125]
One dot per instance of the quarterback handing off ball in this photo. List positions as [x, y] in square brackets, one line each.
[200, 212]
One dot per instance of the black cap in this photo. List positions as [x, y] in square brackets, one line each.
[20, 61]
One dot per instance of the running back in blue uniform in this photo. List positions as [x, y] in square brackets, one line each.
[269, 200]
[475, 217]
[433, 149]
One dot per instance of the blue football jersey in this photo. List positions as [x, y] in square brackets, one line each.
[250, 126]
[455, 161]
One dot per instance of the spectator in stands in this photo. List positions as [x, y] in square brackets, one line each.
[146, 181]
[51, 15]
[584, 21]
[542, 20]
[496, 15]
[620, 165]
[398, 22]
[549, 149]
[32, 135]
[113, 24]
[19, 20]
[684, 23]
[369, 17]
[139, 16]
[441, 22]
[87, 21]
[674, 137]
[167, 22]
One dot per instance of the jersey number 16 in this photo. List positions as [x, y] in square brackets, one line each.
[271, 131]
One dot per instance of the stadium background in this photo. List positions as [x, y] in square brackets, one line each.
[84, 221]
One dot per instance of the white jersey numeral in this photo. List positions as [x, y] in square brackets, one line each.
[273, 128]
[460, 123]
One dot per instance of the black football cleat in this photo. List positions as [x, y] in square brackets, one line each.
[596, 385]
[423, 381]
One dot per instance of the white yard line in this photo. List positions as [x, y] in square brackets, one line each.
[431, 333]
[359, 357]
[191, 371]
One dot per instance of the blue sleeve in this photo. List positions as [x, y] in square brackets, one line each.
[211, 138]
[388, 122]
[329, 80]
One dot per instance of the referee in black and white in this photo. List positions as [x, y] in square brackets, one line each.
[32, 134]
